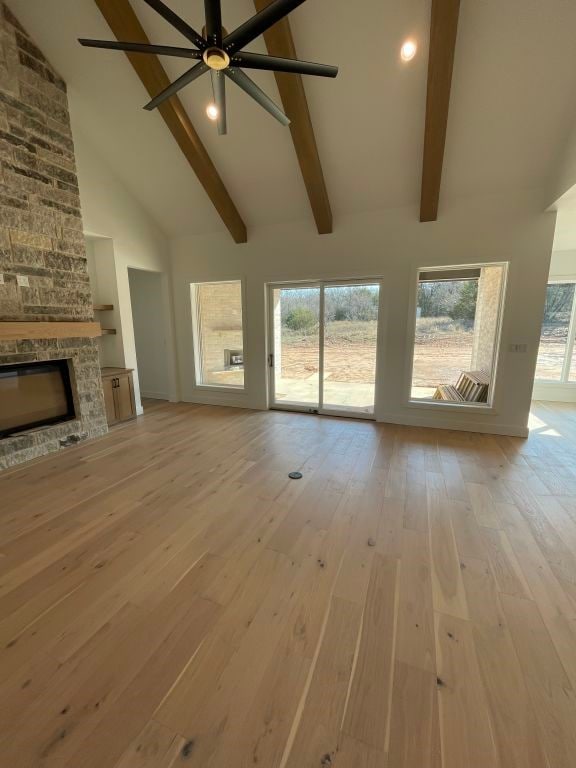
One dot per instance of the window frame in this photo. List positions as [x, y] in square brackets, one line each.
[429, 403]
[197, 336]
[564, 379]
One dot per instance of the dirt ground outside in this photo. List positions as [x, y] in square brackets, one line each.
[441, 353]
[551, 360]
[350, 355]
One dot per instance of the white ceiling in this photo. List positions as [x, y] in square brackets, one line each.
[513, 90]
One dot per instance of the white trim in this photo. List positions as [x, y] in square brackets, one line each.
[444, 405]
[154, 395]
[381, 338]
[570, 342]
[564, 379]
[197, 341]
[220, 387]
[411, 402]
[321, 348]
[269, 342]
[223, 398]
[459, 426]
[321, 285]
[557, 391]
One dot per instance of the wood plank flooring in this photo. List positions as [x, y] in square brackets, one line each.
[169, 597]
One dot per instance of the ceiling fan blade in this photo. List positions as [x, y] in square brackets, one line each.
[248, 85]
[213, 22]
[177, 85]
[219, 93]
[177, 23]
[276, 64]
[159, 50]
[259, 23]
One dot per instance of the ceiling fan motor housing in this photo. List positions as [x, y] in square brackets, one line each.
[216, 58]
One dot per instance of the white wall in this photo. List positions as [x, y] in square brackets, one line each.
[563, 264]
[126, 232]
[148, 315]
[563, 176]
[391, 244]
[102, 271]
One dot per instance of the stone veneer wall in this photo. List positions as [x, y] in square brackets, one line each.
[41, 234]
[487, 318]
[220, 315]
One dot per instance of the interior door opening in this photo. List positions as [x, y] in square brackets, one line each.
[323, 340]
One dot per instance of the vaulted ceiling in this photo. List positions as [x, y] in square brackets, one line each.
[511, 106]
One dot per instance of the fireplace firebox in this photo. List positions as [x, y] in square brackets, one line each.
[34, 395]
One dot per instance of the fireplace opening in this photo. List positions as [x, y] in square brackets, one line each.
[35, 395]
[233, 359]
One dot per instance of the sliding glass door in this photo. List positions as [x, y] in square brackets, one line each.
[323, 342]
[295, 344]
[350, 333]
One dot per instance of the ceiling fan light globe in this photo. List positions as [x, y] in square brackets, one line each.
[212, 111]
[216, 58]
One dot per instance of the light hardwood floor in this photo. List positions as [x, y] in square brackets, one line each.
[169, 597]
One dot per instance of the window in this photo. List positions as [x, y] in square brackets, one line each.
[458, 315]
[556, 358]
[218, 333]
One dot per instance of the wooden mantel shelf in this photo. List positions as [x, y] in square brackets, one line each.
[56, 330]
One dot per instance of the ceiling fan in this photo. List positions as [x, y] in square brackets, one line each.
[221, 54]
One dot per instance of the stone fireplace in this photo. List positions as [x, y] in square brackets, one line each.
[43, 276]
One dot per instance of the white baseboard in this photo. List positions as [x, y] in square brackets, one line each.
[154, 395]
[555, 393]
[459, 426]
[231, 400]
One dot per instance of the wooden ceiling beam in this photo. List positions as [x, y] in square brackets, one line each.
[279, 42]
[443, 33]
[125, 25]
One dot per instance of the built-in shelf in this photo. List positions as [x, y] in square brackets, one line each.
[108, 331]
[15, 331]
[103, 307]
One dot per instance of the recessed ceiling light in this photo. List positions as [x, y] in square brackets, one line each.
[212, 111]
[408, 50]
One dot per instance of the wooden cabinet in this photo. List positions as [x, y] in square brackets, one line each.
[109, 400]
[118, 395]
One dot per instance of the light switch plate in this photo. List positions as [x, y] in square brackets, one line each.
[519, 348]
[23, 281]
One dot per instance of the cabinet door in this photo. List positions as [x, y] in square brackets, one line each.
[109, 400]
[124, 398]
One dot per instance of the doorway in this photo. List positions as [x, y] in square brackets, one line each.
[151, 346]
[323, 347]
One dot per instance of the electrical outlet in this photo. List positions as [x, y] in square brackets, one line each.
[519, 348]
[23, 281]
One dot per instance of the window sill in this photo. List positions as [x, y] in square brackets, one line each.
[236, 388]
[442, 405]
[553, 383]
